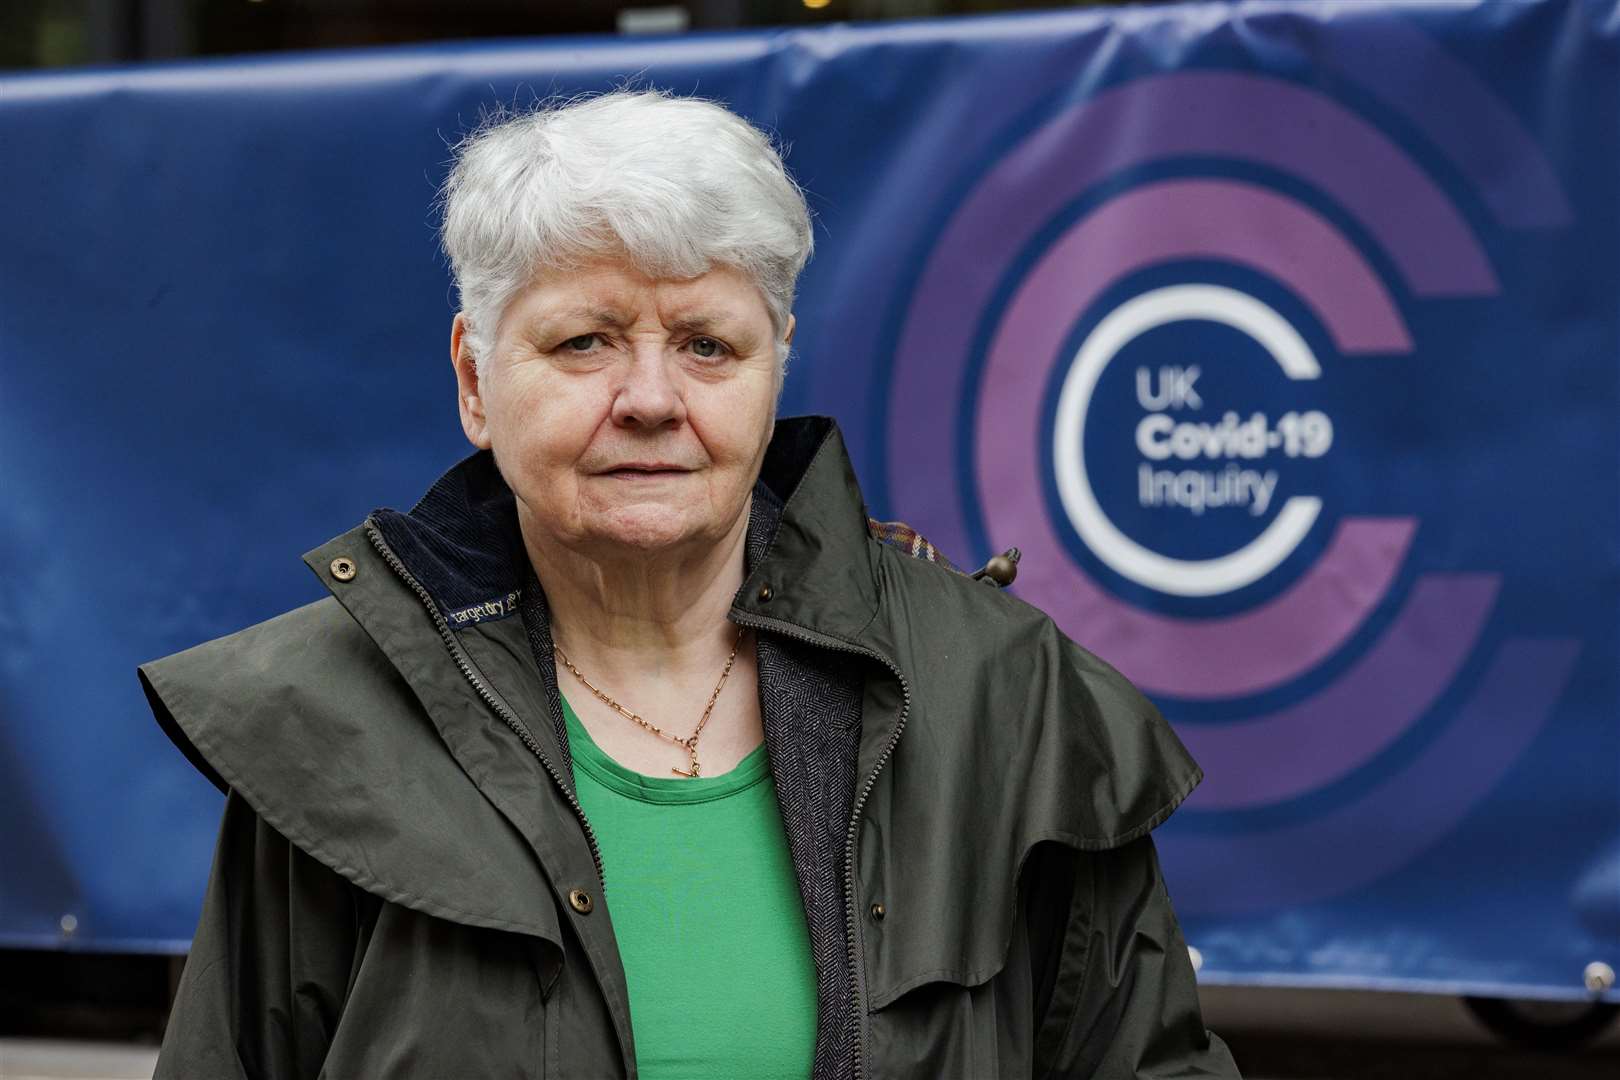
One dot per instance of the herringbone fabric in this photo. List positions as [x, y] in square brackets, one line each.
[810, 705]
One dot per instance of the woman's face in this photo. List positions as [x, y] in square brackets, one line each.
[627, 414]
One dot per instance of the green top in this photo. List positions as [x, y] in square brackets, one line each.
[707, 915]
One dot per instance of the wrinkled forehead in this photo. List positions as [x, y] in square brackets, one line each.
[613, 295]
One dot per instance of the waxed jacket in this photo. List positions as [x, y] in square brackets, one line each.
[405, 884]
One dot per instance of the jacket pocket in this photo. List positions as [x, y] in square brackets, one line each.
[434, 998]
[937, 912]
[953, 990]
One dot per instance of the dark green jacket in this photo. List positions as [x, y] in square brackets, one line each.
[405, 884]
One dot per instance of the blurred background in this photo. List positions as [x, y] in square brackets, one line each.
[1280, 336]
[57, 33]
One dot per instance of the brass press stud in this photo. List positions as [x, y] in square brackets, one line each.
[765, 594]
[877, 912]
[343, 568]
[580, 900]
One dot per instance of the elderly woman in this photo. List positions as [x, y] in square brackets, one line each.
[635, 748]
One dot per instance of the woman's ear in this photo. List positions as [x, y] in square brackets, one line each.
[469, 400]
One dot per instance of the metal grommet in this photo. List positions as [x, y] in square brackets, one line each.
[343, 568]
[878, 912]
[580, 900]
[765, 594]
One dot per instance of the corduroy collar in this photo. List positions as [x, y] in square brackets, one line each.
[807, 534]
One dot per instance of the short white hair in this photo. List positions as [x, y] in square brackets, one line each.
[676, 184]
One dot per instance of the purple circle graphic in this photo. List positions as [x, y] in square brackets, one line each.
[1334, 732]
[1448, 103]
[1506, 711]
[1345, 163]
[1220, 114]
[1174, 220]
[1205, 219]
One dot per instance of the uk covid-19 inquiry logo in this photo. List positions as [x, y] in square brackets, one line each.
[1159, 346]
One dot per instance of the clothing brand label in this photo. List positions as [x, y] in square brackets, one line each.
[497, 608]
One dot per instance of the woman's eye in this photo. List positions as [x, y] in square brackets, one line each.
[707, 347]
[582, 343]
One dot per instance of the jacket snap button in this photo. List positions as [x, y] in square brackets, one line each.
[877, 912]
[765, 594]
[581, 901]
[343, 568]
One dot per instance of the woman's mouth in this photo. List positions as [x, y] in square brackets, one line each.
[645, 471]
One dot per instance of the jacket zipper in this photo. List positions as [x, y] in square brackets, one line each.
[851, 925]
[471, 674]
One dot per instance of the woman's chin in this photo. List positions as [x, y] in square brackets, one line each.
[649, 529]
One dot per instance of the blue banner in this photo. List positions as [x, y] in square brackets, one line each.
[1281, 338]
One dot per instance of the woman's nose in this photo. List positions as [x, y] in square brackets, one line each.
[650, 395]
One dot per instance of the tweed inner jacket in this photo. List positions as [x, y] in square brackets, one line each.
[406, 884]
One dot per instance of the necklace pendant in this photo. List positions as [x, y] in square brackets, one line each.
[691, 741]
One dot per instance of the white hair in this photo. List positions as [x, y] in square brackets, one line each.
[676, 184]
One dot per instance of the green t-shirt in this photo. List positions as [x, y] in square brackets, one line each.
[707, 914]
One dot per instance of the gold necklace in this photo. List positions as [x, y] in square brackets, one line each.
[690, 743]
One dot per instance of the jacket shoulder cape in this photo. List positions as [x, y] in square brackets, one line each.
[1066, 723]
[305, 718]
[1017, 737]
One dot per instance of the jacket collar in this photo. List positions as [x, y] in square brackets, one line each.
[808, 540]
